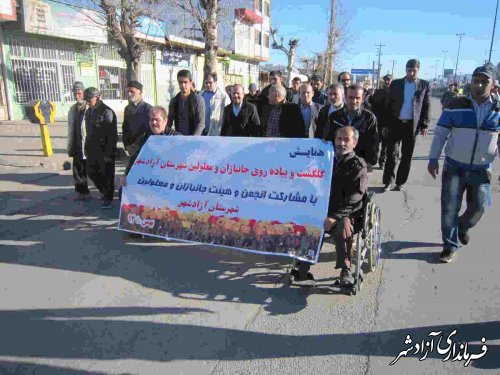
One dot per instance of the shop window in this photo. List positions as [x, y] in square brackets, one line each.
[112, 83]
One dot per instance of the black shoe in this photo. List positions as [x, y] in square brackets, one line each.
[388, 187]
[463, 236]
[106, 204]
[346, 277]
[447, 255]
[397, 188]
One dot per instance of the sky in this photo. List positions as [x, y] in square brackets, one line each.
[408, 29]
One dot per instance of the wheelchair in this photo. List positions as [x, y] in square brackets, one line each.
[367, 248]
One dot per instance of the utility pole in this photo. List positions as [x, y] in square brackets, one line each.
[330, 46]
[444, 59]
[460, 35]
[392, 72]
[493, 33]
[436, 71]
[379, 46]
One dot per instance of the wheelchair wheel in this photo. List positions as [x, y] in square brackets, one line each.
[374, 238]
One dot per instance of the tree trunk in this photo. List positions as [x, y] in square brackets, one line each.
[210, 33]
[133, 69]
[291, 60]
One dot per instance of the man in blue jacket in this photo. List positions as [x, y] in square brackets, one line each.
[469, 127]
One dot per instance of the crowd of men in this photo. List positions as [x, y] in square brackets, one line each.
[378, 127]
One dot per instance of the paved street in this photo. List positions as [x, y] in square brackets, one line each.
[78, 297]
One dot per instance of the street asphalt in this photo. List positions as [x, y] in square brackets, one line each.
[79, 297]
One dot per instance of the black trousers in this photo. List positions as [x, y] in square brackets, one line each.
[80, 175]
[101, 171]
[402, 133]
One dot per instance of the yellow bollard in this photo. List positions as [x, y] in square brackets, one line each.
[46, 143]
[45, 115]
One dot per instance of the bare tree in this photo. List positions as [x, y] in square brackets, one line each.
[122, 21]
[293, 43]
[207, 14]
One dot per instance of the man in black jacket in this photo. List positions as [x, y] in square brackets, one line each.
[285, 119]
[186, 111]
[263, 105]
[100, 144]
[349, 186]
[335, 102]
[409, 106]
[136, 116]
[353, 114]
[240, 117]
[379, 102]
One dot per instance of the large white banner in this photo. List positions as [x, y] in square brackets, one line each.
[262, 195]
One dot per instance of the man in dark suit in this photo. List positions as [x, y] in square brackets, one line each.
[335, 102]
[240, 117]
[408, 106]
[285, 119]
[309, 109]
[263, 105]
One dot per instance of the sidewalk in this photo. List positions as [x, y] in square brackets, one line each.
[21, 145]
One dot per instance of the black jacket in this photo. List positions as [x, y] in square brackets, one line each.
[196, 114]
[421, 103]
[349, 185]
[366, 124]
[379, 103]
[102, 134]
[321, 123]
[135, 122]
[263, 106]
[291, 123]
[247, 124]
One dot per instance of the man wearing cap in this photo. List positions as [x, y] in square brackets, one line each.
[76, 140]
[252, 95]
[100, 144]
[379, 102]
[136, 117]
[215, 101]
[186, 111]
[409, 107]
[449, 95]
[469, 128]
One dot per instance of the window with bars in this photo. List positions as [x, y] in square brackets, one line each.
[36, 80]
[112, 82]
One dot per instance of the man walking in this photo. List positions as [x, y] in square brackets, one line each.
[449, 95]
[186, 111]
[240, 117]
[215, 101]
[345, 80]
[285, 119]
[319, 96]
[408, 106]
[76, 140]
[355, 115]
[469, 128]
[335, 102]
[296, 83]
[263, 104]
[100, 144]
[136, 117]
[309, 109]
[379, 102]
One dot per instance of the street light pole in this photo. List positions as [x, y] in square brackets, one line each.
[380, 45]
[436, 71]
[460, 35]
[493, 33]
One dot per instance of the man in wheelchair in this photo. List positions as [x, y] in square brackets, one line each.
[345, 209]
